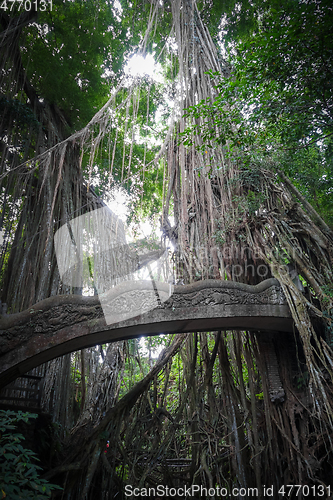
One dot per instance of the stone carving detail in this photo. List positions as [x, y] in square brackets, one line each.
[136, 302]
[139, 301]
[130, 304]
[133, 298]
[132, 301]
[226, 296]
[56, 313]
[59, 324]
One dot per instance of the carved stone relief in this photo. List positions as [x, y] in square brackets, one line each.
[226, 296]
[134, 302]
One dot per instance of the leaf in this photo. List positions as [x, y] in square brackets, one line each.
[9, 456]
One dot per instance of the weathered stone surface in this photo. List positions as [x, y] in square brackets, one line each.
[269, 358]
[63, 324]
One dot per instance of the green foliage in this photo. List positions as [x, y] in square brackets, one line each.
[254, 201]
[302, 380]
[20, 113]
[141, 355]
[328, 290]
[239, 18]
[284, 71]
[213, 11]
[277, 105]
[75, 68]
[19, 476]
[311, 170]
[219, 237]
[70, 67]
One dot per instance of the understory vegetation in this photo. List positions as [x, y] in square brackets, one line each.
[228, 154]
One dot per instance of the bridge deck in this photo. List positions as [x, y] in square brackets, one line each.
[63, 324]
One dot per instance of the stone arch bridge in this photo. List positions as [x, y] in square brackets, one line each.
[65, 323]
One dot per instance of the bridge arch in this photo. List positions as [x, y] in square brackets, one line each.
[63, 324]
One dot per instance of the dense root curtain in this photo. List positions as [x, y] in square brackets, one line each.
[247, 222]
[232, 220]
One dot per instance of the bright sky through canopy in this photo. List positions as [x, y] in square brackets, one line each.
[139, 66]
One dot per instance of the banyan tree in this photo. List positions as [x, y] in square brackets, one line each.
[226, 408]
